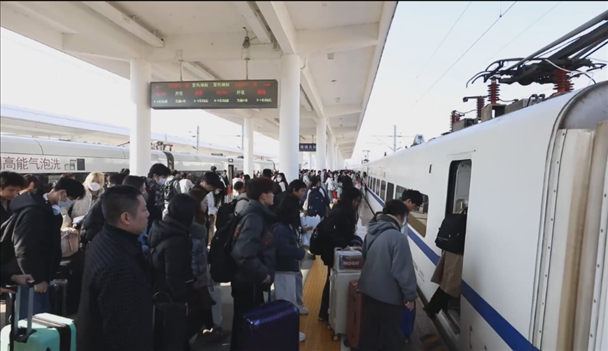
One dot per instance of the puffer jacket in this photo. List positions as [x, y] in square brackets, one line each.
[253, 250]
[200, 267]
[288, 253]
[172, 258]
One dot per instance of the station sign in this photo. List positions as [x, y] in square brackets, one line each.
[308, 147]
[214, 94]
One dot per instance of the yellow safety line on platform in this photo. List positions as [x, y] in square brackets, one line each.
[318, 337]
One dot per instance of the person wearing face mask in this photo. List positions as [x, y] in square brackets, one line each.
[157, 177]
[93, 186]
[282, 182]
[36, 237]
[94, 220]
[388, 280]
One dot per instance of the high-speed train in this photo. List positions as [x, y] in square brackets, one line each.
[50, 159]
[536, 185]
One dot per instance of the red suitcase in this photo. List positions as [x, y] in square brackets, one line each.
[354, 314]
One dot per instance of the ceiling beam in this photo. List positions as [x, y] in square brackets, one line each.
[79, 18]
[336, 39]
[78, 44]
[332, 111]
[28, 25]
[256, 24]
[209, 47]
[304, 101]
[277, 16]
[228, 46]
[117, 67]
[125, 22]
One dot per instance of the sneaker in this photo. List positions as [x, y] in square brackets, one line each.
[303, 310]
[323, 319]
[302, 336]
[214, 335]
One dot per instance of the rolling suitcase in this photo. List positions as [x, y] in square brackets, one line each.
[353, 326]
[273, 326]
[43, 331]
[58, 290]
[338, 299]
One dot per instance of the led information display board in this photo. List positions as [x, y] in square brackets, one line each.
[210, 94]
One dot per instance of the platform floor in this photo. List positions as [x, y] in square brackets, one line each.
[318, 338]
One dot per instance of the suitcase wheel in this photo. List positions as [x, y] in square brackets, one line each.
[328, 326]
[335, 337]
[407, 340]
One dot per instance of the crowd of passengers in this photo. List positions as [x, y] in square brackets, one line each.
[146, 239]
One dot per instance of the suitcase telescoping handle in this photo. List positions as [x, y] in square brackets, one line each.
[17, 312]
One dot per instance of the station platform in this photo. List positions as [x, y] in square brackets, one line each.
[318, 338]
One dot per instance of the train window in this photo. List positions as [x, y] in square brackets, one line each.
[399, 192]
[458, 186]
[383, 191]
[377, 187]
[390, 192]
[416, 219]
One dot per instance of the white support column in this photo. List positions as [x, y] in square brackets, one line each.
[330, 153]
[321, 138]
[248, 146]
[141, 132]
[289, 116]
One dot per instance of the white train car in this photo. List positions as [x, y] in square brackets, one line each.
[51, 158]
[536, 184]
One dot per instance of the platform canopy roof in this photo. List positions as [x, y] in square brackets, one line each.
[340, 45]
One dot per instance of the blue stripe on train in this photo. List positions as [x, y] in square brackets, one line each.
[501, 326]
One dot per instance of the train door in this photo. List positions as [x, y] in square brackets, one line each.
[170, 160]
[458, 199]
[230, 172]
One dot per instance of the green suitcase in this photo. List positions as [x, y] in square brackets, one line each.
[42, 332]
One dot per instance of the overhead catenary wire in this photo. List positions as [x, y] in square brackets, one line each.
[444, 38]
[463, 54]
[525, 30]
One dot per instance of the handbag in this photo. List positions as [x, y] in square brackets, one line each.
[170, 323]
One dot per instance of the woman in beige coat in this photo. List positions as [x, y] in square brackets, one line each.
[448, 275]
[93, 186]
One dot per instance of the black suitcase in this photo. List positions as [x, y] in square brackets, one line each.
[58, 291]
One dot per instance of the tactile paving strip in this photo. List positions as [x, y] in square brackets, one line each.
[318, 337]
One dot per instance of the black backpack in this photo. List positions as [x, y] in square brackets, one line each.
[171, 189]
[317, 203]
[222, 266]
[320, 241]
[226, 212]
[452, 233]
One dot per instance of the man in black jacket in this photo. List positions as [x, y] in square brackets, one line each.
[11, 184]
[115, 311]
[36, 237]
[253, 252]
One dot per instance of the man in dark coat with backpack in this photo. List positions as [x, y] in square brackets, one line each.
[254, 253]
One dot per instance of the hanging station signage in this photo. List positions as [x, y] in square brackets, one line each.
[308, 147]
[214, 94]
